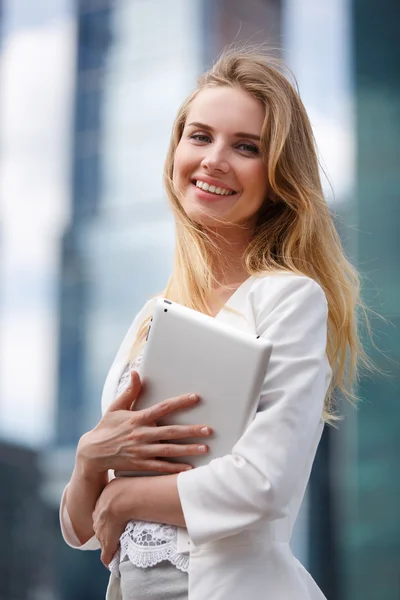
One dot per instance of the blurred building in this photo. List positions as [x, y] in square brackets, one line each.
[35, 47]
[25, 555]
[355, 488]
[372, 540]
[79, 575]
[318, 48]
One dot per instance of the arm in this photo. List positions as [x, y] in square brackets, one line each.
[91, 475]
[80, 496]
[153, 499]
[123, 440]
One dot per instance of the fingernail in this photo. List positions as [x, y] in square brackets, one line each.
[188, 468]
[202, 448]
[192, 397]
[204, 430]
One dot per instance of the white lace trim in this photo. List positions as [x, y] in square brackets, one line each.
[147, 544]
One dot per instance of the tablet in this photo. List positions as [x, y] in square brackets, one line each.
[189, 352]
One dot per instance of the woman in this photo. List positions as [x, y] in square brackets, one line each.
[256, 248]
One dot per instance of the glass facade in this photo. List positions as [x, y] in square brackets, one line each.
[80, 575]
[93, 41]
[34, 165]
[373, 535]
[325, 85]
[232, 21]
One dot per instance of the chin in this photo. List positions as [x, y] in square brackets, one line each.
[211, 214]
[206, 219]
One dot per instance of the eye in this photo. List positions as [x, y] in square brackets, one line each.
[248, 148]
[200, 137]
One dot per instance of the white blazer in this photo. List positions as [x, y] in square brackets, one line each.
[240, 509]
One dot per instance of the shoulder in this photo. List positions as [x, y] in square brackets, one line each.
[274, 288]
[288, 298]
[291, 310]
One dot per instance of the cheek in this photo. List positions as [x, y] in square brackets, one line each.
[181, 162]
[180, 172]
[257, 183]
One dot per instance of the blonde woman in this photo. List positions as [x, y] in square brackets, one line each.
[255, 248]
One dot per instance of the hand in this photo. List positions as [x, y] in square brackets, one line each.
[111, 514]
[126, 440]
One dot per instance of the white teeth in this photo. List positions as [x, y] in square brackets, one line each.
[213, 189]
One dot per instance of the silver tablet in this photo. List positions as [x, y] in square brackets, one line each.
[187, 351]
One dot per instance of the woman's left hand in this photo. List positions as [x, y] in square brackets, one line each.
[111, 514]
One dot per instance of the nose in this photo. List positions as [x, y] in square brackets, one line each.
[215, 159]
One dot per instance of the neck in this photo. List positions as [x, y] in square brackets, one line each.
[230, 246]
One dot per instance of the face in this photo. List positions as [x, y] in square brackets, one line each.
[219, 175]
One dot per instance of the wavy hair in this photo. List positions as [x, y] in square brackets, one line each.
[294, 232]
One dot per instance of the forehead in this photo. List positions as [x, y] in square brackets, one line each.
[227, 108]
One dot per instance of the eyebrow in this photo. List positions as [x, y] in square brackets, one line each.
[239, 134]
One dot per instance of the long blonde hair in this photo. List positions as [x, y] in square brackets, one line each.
[295, 230]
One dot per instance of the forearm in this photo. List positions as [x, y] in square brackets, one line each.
[156, 499]
[81, 497]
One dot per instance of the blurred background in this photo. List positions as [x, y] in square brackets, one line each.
[88, 93]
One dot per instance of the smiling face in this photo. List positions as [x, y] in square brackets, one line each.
[219, 175]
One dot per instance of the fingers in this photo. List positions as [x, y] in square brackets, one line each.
[107, 555]
[104, 559]
[149, 415]
[129, 396]
[169, 450]
[175, 432]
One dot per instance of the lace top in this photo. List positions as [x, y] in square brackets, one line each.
[146, 544]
